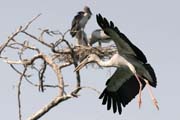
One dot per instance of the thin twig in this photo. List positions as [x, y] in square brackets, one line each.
[91, 88]
[19, 92]
[20, 29]
[37, 39]
[30, 22]
[16, 70]
[10, 38]
[41, 76]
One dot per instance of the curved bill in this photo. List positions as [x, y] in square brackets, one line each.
[81, 65]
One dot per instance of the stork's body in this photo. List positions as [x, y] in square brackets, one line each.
[132, 73]
[98, 36]
[80, 20]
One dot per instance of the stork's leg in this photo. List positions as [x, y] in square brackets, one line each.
[140, 90]
[99, 44]
[151, 94]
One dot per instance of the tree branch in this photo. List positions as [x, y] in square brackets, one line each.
[49, 106]
[20, 29]
[58, 58]
[19, 93]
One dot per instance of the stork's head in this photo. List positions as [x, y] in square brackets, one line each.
[89, 59]
[87, 10]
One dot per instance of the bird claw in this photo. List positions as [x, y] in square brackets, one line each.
[139, 102]
[155, 103]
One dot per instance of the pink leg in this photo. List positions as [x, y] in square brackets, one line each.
[140, 90]
[151, 94]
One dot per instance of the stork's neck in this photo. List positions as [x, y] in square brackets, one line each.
[104, 63]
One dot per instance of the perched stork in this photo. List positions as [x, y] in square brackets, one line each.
[132, 73]
[98, 35]
[80, 20]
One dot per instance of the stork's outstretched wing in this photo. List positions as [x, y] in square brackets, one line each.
[122, 42]
[121, 88]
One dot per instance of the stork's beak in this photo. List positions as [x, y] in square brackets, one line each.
[81, 65]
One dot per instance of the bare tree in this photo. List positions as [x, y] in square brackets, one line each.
[59, 53]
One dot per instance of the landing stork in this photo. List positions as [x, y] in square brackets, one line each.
[132, 73]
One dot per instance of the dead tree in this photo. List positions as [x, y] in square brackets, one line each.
[28, 48]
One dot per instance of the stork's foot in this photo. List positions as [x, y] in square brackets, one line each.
[155, 103]
[139, 101]
[139, 97]
[151, 94]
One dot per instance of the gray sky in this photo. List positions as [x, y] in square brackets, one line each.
[152, 25]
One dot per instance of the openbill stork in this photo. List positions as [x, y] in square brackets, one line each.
[132, 73]
[99, 36]
[80, 20]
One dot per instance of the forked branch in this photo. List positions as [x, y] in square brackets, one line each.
[59, 56]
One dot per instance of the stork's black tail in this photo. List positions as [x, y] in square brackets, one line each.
[152, 82]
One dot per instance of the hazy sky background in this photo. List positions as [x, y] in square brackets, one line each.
[153, 25]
